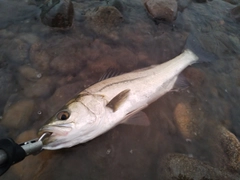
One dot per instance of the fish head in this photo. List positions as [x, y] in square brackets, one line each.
[68, 127]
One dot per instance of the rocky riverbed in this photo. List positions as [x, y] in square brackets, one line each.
[52, 49]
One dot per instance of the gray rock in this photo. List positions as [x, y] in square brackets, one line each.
[162, 9]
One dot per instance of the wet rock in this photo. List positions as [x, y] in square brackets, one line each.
[183, 167]
[195, 76]
[105, 17]
[231, 147]
[29, 73]
[67, 64]
[17, 114]
[57, 13]
[162, 9]
[236, 13]
[39, 57]
[31, 166]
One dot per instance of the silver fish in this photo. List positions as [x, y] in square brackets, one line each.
[112, 101]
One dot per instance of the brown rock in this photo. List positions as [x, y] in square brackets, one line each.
[105, 17]
[180, 166]
[67, 64]
[162, 9]
[29, 73]
[17, 115]
[44, 87]
[185, 121]
[39, 57]
[194, 76]
[231, 147]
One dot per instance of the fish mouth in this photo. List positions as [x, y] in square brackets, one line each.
[55, 130]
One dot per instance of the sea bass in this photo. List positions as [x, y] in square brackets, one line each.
[112, 101]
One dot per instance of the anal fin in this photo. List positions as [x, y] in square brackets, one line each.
[139, 118]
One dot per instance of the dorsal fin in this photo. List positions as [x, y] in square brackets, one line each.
[118, 100]
[111, 72]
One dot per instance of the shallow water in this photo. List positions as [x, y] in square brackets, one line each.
[41, 68]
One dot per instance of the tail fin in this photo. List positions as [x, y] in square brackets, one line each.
[194, 45]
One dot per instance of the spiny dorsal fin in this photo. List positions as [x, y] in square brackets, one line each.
[111, 72]
[118, 100]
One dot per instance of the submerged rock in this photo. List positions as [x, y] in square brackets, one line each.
[7, 87]
[184, 120]
[17, 115]
[39, 57]
[180, 166]
[201, 1]
[29, 73]
[162, 9]
[236, 13]
[44, 87]
[33, 165]
[231, 146]
[17, 50]
[105, 17]
[57, 13]
[67, 64]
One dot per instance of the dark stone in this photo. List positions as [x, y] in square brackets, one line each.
[201, 1]
[236, 13]
[59, 13]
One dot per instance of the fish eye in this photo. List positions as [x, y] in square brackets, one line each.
[63, 115]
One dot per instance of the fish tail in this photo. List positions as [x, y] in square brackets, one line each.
[193, 45]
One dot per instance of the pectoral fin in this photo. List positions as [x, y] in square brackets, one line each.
[139, 118]
[116, 102]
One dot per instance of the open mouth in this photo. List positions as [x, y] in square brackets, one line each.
[55, 130]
